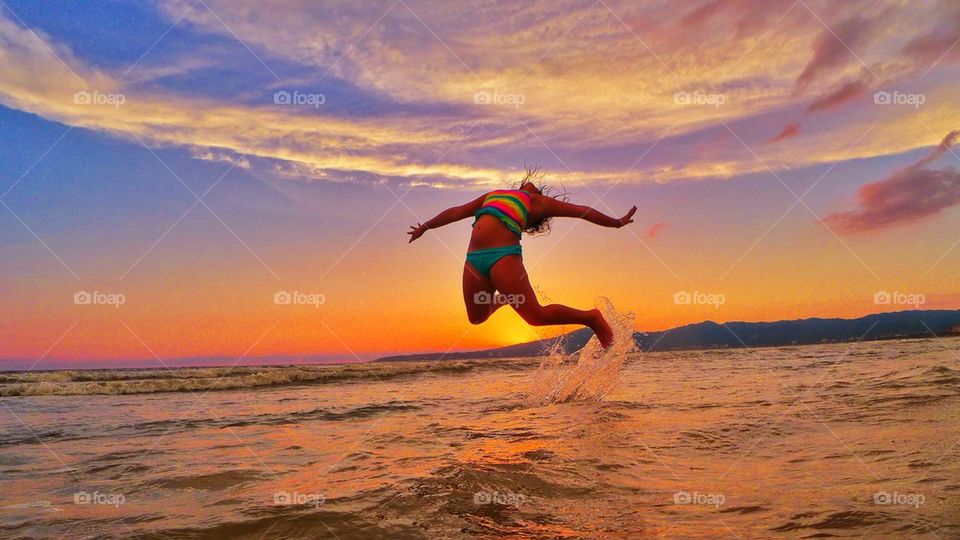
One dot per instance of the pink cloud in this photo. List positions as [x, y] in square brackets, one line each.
[843, 94]
[790, 131]
[832, 49]
[747, 16]
[908, 196]
[939, 44]
[655, 229]
[839, 96]
[702, 14]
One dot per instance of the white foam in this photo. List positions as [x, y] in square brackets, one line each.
[597, 371]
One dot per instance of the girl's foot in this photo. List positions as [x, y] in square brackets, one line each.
[602, 329]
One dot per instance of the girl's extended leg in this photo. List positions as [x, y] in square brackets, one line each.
[478, 293]
[510, 278]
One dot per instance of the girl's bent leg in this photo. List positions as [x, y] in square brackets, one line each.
[510, 278]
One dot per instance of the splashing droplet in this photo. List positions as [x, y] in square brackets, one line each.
[597, 370]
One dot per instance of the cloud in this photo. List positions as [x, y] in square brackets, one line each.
[423, 67]
[908, 196]
[701, 15]
[208, 155]
[833, 99]
[838, 97]
[573, 88]
[791, 130]
[577, 94]
[655, 229]
[747, 17]
[940, 43]
[834, 48]
[39, 80]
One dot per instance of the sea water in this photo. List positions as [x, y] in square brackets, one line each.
[842, 440]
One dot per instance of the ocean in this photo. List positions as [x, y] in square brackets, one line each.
[848, 440]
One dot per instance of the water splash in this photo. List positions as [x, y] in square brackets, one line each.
[596, 372]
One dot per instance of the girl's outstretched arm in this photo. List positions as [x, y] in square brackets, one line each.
[448, 216]
[557, 208]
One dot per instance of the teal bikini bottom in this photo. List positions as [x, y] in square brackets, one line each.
[484, 259]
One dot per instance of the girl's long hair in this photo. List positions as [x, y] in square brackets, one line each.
[535, 175]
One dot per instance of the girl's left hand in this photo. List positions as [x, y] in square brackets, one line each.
[416, 231]
[627, 218]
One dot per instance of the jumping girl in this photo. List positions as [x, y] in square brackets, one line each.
[494, 257]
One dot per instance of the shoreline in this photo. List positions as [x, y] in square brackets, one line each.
[136, 381]
[432, 357]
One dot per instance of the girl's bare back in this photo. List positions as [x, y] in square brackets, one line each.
[494, 274]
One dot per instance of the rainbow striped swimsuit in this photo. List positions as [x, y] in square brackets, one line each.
[511, 206]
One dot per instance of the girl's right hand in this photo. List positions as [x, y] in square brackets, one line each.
[416, 231]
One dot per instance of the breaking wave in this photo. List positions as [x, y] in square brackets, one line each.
[148, 381]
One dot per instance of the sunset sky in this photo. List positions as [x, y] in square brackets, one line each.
[195, 158]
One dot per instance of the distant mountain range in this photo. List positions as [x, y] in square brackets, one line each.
[711, 335]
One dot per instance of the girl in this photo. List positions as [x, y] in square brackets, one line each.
[494, 260]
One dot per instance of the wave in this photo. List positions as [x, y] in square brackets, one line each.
[149, 381]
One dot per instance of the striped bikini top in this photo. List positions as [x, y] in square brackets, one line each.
[511, 206]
